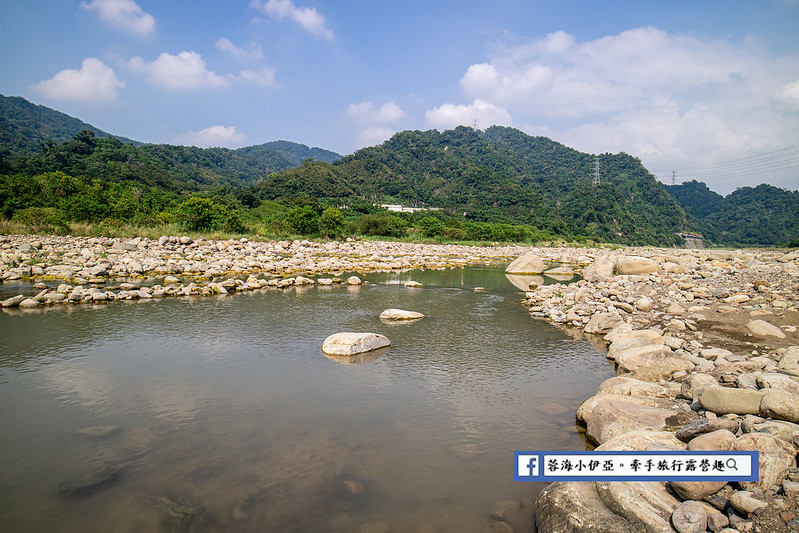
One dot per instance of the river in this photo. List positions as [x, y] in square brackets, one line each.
[222, 414]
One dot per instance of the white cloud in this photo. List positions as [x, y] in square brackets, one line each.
[253, 51]
[486, 114]
[307, 17]
[225, 136]
[673, 100]
[124, 15]
[264, 77]
[95, 82]
[373, 135]
[183, 71]
[367, 113]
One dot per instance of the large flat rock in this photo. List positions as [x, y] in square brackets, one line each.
[349, 343]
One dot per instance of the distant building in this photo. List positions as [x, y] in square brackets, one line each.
[403, 209]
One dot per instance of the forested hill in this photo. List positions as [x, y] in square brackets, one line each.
[500, 175]
[36, 139]
[763, 215]
[24, 126]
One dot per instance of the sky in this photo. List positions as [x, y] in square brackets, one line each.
[695, 89]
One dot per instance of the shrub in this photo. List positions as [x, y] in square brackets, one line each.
[42, 220]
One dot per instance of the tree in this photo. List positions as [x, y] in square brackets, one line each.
[332, 223]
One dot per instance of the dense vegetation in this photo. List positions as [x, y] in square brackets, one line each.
[496, 185]
[498, 176]
[761, 215]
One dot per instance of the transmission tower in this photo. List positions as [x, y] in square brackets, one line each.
[673, 177]
[596, 171]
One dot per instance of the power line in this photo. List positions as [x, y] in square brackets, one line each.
[782, 159]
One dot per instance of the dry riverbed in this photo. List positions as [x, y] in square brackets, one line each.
[705, 344]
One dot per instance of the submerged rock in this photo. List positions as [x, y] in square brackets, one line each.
[349, 343]
[88, 484]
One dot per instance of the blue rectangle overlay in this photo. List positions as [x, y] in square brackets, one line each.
[635, 466]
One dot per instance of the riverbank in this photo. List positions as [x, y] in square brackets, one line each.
[704, 343]
[705, 349]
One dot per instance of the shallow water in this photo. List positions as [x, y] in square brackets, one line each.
[222, 414]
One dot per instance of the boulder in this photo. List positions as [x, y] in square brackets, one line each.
[400, 314]
[689, 517]
[716, 441]
[125, 246]
[633, 264]
[776, 457]
[656, 359]
[645, 503]
[614, 417]
[601, 269]
[790, 360]
[777, 381]
[696, 490]
[413, 285]
[642, 439]
[575, 506]
[14, 301]
[761, 328]
[702, 426]
[780, 405]
[602, 322]
[527, 263]
[353, 280]
[587, 407]
[745, 503]
[724, 400]
[348, 343]
[634, 387]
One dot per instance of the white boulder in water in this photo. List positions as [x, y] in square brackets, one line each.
[348, 343]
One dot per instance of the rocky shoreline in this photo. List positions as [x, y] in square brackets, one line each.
[706, 352]
[705, 344]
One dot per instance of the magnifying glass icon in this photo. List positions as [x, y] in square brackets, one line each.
[732, 464]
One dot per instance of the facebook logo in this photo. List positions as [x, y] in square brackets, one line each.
[527, 466]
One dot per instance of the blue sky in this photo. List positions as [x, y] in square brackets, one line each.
[709, 89]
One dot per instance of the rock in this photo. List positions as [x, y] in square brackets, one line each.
[717, 521]
[761, 328]
[745, 502]
[125, 246]
[413, 285]
[29, 302]
[689, 517]
[723, 400]
[14, 301]
[634, 387]
[702, 426]
[561, 271]
[503, 509]
[348, 343]
[642, 439]
[776, 457]
[587, 407]
[632, 265]
[644, 304]
[353, 280]
[601, 269]
[657, 360]
[527, 263]
[615, 417]
[602, 322]
[171, 280]
[399, 314]
[646, 503]
[698, 382]
[696, 490]
[575, 506]
[89, 484]
[716, 441]
[780, 405]
[790, 359]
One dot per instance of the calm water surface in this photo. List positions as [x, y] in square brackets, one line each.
[222, 414]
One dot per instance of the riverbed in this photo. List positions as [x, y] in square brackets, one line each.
[222, 413]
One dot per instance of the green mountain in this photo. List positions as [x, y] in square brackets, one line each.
[763, 215]
[501, 175]
[294, 152]
[24, 127]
